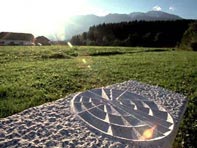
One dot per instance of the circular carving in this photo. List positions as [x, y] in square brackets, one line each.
[123, 114]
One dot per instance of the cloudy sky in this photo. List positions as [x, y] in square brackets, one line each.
[42, 16]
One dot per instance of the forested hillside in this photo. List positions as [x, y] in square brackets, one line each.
[136, 33]
[189, 39]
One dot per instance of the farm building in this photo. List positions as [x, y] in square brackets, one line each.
[42, 40]
[11, 38]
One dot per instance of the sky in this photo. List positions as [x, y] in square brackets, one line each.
[43, 16]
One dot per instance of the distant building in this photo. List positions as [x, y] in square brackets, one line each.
[11, 38]
[42, 40]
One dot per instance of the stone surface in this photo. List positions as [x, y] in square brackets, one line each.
[54, 125]
[122, 114]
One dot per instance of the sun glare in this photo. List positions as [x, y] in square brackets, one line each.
[53, 17]
[40, 16]
[148, 133]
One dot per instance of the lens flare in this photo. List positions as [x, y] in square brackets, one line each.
[148, 133]
[70, 45]
[84, 61]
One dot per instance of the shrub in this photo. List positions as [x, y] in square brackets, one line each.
[189, 39]
[194, 46]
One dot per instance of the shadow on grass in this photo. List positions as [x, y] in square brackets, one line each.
[111, 53]
[107, 53]
[56, 56]
[157, 50]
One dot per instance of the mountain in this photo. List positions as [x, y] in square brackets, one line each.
[159, 15]
[80, 24]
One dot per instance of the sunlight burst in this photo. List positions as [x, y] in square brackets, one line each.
[40, 17]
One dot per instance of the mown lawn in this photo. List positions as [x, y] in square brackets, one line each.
[30, 76]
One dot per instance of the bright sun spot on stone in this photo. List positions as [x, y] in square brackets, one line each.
[148, 133]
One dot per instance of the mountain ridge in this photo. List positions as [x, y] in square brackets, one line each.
[81, 23]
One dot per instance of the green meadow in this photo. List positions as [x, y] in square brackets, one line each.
[30, 75]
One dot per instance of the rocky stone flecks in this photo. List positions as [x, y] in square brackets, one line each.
[54, 125]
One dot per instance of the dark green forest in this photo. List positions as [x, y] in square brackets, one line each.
[136, 33]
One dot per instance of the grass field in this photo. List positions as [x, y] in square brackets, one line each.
[30, 76]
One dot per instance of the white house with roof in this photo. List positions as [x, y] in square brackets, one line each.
[11, 38]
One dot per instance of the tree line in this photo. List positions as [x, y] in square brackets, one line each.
[136, 33]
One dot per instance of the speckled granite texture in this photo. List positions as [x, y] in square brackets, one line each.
[54, 125]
